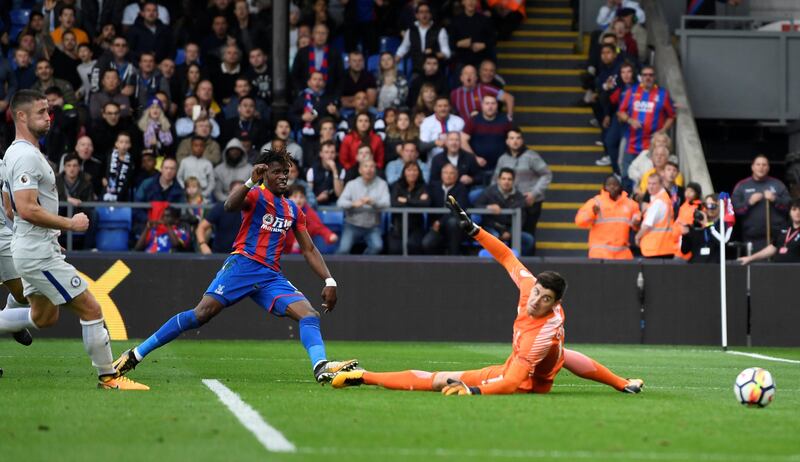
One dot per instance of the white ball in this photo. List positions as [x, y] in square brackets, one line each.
[754, 387]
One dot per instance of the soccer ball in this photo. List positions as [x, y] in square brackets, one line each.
[754, 387]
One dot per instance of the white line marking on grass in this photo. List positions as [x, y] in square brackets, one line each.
[544, 454]
[268, 436]
[765, 357]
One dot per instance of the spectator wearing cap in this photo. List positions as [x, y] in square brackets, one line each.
[761, 202]
[357, 79]
[467, 98]
[532, 176]
[473, 35]
[319, 57]
[434, 128]
[423, 38]
[609, 11]
[149, 35]
[155, 127]
[485, 134]
[234, 166]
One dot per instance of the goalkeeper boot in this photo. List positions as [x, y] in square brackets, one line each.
[352, 378]
[23, 337]
[633, 386]
[112, 382]
[324, 371]
[125, 363]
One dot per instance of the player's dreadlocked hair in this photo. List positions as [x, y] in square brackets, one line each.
[268, 156]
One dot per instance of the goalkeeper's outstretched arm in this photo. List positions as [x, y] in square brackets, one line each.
[495, 246]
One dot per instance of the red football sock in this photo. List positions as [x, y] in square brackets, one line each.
[587, 368]
[405, 380]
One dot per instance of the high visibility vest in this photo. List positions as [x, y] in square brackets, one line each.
[609, 229]
[660, 241]
[685, 218]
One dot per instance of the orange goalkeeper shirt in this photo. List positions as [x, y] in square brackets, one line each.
[538, 343]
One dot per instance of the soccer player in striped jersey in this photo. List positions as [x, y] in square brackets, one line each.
[538, 344]
[253, 270]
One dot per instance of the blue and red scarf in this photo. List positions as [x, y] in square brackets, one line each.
[312, 62]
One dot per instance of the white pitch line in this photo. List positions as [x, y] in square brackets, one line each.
[267, 435]
[765, 357]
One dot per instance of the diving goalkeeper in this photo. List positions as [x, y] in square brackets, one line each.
[538, 344]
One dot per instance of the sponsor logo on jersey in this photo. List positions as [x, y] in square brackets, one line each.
[274, 224]
[644, 106]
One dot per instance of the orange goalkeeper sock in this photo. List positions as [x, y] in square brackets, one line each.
[587, 368]
[405, 380]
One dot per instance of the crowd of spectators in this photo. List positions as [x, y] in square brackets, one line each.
[391, 103]
[646, 197]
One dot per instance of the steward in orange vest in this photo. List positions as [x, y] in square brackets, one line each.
[610, 216]
[655, 239]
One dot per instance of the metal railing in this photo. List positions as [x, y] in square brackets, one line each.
[516, 216]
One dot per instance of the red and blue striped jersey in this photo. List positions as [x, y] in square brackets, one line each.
[651, 108]
[266, 219]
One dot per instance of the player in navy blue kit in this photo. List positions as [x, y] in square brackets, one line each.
[253, 270]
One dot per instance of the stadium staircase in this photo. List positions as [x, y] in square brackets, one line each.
[541, 69]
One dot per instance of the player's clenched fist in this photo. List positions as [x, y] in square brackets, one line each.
[259, 171]
[455, 387]
[79, 222]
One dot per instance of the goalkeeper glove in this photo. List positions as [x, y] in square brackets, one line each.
[464, 221]
[456, 387]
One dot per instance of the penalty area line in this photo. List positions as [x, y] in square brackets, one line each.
[267, 435]
[764, 357]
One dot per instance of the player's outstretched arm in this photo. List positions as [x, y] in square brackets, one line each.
[317, 263]
[28, 208]
[236, 198]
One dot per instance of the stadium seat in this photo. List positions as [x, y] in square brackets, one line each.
[333, 219]
[114, 218]
[338, 43]
[475, 194]
[346, 61]
[390, 44]
[372, 64]
[112, 239]
[180, 56]
[19, 19]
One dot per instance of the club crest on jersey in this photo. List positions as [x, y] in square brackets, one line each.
[275, 224]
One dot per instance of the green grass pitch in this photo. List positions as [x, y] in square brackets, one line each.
[49, 409]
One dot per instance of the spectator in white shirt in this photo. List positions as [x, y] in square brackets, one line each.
[418, 43]
[434, 128]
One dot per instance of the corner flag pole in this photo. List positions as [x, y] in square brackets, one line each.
[722, 236]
